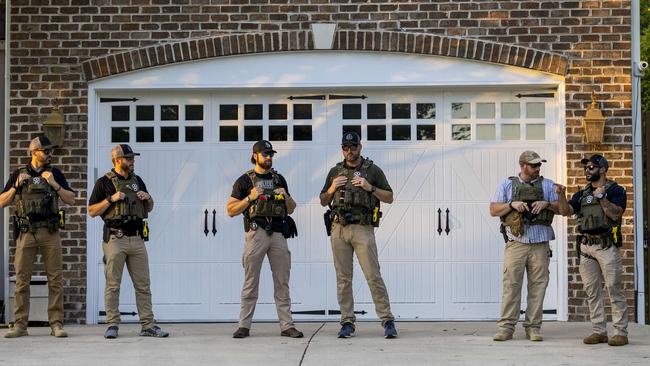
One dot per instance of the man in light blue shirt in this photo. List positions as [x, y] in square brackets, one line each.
[531, 200]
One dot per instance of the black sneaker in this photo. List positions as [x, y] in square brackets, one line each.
[241, 333]
[154, 331]
[111, 332]
[347, 330]
[389, 330]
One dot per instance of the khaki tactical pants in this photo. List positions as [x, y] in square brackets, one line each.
[346, 240]
[129, 250]
[26, 247]
[258, 245]
[607, 264]
[534, 260]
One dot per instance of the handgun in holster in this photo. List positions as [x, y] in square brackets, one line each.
[106, 234]
[502, 230]
[328, 218]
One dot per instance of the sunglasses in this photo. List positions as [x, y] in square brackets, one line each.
[349, 147]
[535, 165]
[267, 154]
[46, 151]
[591, 167]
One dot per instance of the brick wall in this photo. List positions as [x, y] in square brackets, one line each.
[50, 39]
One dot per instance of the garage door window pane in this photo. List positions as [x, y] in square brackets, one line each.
[486, 132]
[193, 133]
[510, 132]
[302, 111]
[351, 111]
[536, 132]
[277, 111]
[376, 133]
[144, 134]
[485, 110]
[401, 111]
[169, 112]
[120, 134]
[278, 133]
[302, 133]
[401, 132]
[510, 110]
[169, 134]
[535, 110]
[194, 112]
[228, 112]
[460, 110]
[376, 111]
[426, 110]
[253, 133]
[228, 133]
[120, 113]
[461, 132]
[144, 113]
[426, 132]
[351, 128]
[253, 111]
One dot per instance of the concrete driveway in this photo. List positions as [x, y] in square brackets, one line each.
[420, 343]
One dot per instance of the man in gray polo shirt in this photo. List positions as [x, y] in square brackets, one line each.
[526, 204]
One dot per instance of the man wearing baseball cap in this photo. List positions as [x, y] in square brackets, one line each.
[120, 197]
[354, 189]
[599, 208]
[262, 196]
[526, 204]
[35, 190]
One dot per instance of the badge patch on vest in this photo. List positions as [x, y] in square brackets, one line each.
[134, 187]
[265, 184]
[37, 180]
[590, 199]
[357, 174]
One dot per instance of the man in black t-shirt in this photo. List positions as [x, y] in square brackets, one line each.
[120, 197]
[262, 196]
[35, 190]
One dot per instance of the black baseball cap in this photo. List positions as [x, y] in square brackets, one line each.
[122, 151]
[263, 146]
[350, 138]
[596, 159]
[41, 142]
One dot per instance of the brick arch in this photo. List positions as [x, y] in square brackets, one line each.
[380, 41]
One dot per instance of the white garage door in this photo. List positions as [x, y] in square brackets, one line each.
[443, 153]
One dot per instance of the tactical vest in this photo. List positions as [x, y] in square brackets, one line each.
[130, 208]
[354, 204]
[529, 193]
[268, 204]
[37, 200]
[592, 219]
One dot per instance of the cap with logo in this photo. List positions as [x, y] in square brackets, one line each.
[41, 143]
[596, 159]
[122, 151]
[530, 157]
[263, 146]
[350, 138]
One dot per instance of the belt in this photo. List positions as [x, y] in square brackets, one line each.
[589, 240]
[588, 256]
[121, 232]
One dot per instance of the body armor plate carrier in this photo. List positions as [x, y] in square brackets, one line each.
[37, 205]
[130, 208]
[528, 193]
[354, 205]
[268, 204]
[595, 226]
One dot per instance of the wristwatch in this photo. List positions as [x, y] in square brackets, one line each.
[247, 199]
[109, 199]
[373, 189]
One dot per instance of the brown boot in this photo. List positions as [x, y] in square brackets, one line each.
[292, 332]
[241, 333]
[58, 332]
[534, 334]
[618, 340]
[595, 338]
[16, 332]
[502, 335]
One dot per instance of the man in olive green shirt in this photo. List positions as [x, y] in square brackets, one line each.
[353, 189]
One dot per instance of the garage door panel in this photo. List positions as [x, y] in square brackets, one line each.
[409, 232]
[312, 243]
[474, 234]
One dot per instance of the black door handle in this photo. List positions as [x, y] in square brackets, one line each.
[205, 223]
[214, 225]
[439, 222]
[447, 230]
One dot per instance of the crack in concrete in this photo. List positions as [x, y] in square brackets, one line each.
[304, 353]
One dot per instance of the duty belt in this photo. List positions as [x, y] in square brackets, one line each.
[592, 240]
[121, 232]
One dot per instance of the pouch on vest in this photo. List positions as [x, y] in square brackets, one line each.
[289, 228]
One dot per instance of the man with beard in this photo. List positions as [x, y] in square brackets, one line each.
[599, 207]
[35, 189]
[120, 197]
[526, 204]
[354, 189]
[262, 196]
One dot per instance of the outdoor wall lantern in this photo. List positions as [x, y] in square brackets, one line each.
[54, 127]
[594, 123]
